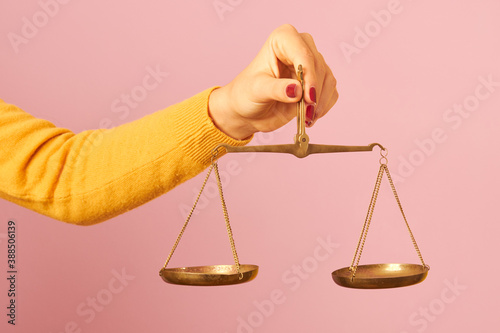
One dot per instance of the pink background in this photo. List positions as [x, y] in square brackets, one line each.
[398, 88]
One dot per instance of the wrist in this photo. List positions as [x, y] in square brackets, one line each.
[224, 118]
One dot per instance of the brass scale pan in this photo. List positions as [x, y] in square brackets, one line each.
[374, 276]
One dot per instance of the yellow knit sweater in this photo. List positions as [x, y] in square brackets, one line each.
[95, 175]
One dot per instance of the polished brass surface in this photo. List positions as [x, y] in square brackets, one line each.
[379, 276]
[297, 149]
[217, 275]
[301, 138]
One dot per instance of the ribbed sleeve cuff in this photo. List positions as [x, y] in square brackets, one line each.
[195, 131]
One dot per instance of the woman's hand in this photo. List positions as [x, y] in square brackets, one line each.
[263, 97]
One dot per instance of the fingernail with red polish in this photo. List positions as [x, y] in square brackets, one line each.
[291, 90]
[312, 94]
[310, 113]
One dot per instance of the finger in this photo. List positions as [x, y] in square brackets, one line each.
[324, 110]
[313, 91]
[328, 96]
[293, 50]
[316, 93]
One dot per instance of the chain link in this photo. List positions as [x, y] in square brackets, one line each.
[383, 158]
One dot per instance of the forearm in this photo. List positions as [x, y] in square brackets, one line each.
[95, 175]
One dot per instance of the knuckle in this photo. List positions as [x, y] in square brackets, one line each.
[330, 79]
[307, 36]
[333, 81]
[285, 28]
[308, 54]
[321, 58]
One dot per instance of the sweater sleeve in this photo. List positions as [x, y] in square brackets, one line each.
[95, 175]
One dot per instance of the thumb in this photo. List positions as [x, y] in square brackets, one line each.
[282, 90]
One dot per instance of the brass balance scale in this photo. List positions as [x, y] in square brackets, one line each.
[374, 276]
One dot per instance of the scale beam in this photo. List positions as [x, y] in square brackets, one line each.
[298, 149]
